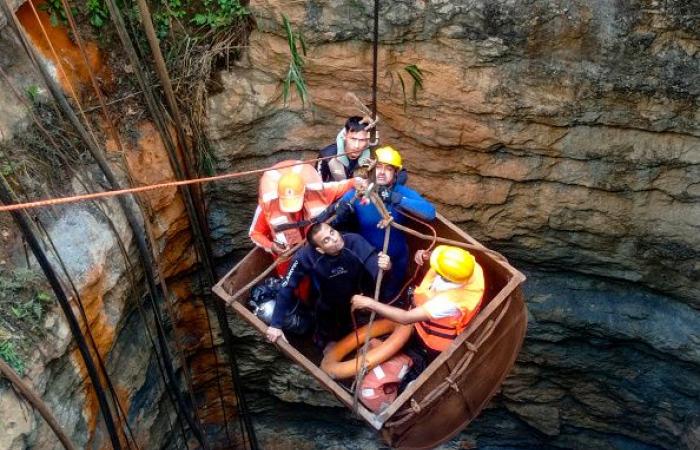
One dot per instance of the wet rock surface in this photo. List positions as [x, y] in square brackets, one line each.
[564, 135]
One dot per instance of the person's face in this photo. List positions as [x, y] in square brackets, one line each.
[328, 241]
[384, 174]
[355, 143]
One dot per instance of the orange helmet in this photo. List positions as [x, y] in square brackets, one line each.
[291, 189]
[452, 263]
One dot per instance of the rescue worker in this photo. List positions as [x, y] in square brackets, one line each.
[340, 266]
[445, 301]
[397, 198]
[350, 149]
[288, 194]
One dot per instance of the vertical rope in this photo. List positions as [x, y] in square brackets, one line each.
[377, 288]
[375, 60]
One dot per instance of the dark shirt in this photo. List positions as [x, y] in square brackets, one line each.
[337, 278]
[325, 171]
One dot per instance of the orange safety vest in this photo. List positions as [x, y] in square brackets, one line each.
[437, 334]
[314, 200]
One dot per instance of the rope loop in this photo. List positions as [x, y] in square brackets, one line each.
[415, 406]
[452, 383]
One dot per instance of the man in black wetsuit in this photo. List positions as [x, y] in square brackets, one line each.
[339, 265]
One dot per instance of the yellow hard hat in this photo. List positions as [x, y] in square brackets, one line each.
[452, 263]
[389, 155]
[291, 189]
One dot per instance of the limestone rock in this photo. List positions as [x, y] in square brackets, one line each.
[14, 62]
[15, 423]
[529, 130]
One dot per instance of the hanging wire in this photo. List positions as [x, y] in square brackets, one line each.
[131, 218]
[130, 270]
[24, 223]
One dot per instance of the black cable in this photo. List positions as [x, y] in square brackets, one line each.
[375, 57]
[128, 263]
[196, 221]
[24, 223]
[142, 247]
[113, 393]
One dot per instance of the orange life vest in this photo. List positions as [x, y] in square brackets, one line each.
[314, 200]
[437, 334]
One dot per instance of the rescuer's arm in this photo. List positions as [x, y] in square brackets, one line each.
[285, 297]
[371, 259]
[260, 231]
[411, 201]
[392, 313]
[260, 234]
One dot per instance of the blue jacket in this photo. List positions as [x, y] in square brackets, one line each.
[367, 219]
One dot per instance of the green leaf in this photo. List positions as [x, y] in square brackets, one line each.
[17, 312]
[403, 90]
[302, 41]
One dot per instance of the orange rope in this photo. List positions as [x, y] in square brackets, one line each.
[150, 187]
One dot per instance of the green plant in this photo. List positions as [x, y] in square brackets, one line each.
[57, 14]
[8, 352]
[169, 11]
[6, 169]
[295, 74]
[32, 93]
[416, 74]
[98, 13]
[220, 13]
[23, 301]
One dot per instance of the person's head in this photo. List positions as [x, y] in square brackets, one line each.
[388, 164]
[325, 239]
[356, 137]
[290, 190]
[452, 263]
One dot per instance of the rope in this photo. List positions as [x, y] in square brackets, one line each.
[359, 377]
[38, 404]
[375, 59]
[146, 188]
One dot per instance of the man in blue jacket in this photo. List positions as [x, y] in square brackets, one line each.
[397, 198]
[340, 265]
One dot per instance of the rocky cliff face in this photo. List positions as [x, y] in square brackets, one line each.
[564, 134]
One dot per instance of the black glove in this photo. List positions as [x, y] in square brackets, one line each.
[343, 212]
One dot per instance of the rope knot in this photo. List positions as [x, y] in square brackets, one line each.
[415, 406]
[452, 383]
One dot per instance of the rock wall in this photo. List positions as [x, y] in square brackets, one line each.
[87, 238]
[565, 134]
